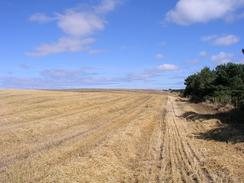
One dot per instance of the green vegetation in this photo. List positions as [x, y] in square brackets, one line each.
[224, 84]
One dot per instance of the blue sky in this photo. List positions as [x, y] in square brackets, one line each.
[115, 43]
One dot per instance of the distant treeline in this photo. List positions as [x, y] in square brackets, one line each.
[224, 84]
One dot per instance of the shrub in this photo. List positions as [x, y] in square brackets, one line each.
[224, 84]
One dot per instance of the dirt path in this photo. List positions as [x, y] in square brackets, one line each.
[105, 136]
[224, 161]
[179, 160]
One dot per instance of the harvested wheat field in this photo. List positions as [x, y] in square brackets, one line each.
[110, 136]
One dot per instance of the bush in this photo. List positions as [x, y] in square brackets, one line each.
[224, 84]
[241, 104]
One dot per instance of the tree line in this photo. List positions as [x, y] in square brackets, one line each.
[224, 84]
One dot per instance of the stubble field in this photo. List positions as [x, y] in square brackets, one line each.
[109, 136]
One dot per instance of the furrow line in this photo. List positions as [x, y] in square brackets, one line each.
[88, 132]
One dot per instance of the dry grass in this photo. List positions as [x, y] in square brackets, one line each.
[103, 136]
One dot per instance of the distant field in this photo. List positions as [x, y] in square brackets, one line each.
[109, 136]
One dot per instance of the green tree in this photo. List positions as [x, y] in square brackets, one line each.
[224, 84]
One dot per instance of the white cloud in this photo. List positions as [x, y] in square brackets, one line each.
[80, 24]
[168, 67]
[77, 23]
[41, 18]
[150, 74]
[203, 53]
[225, 40]
[80, 21]
[62, 45]
[222, 58]
[201, 11]
[107, 6]
[159, 56]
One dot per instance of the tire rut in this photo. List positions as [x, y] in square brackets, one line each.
[178, 161]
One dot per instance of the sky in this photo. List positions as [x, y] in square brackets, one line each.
[135, 44]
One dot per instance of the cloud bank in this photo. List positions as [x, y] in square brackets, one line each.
[82, 77]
